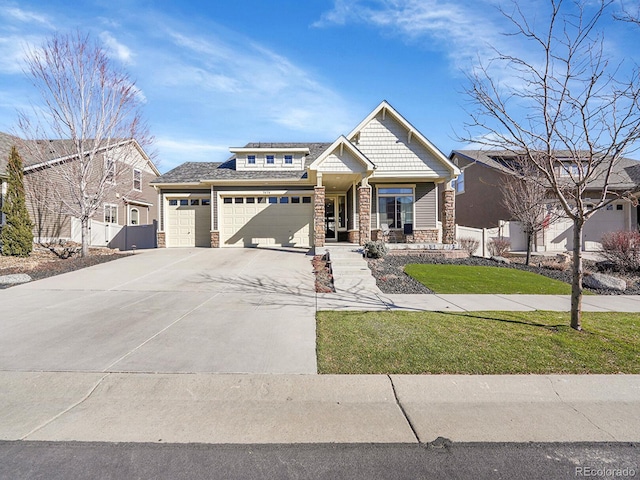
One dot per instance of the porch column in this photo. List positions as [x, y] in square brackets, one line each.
[448, 215]
[319, 229]
[364, 213]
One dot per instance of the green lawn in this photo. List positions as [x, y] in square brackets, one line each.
[476, 279]
[476, 343]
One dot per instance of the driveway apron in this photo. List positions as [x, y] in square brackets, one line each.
[167, 310]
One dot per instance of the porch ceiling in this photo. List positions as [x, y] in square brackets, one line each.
[337, 182]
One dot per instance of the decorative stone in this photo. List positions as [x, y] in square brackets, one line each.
[506, 261]
[319, 229]
[600, 281]
[14, 279]
[364, 213]
[215, 239]
[448, 216]
[161, 240]
[563, 258]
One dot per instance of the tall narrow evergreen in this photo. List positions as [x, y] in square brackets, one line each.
[16, 236]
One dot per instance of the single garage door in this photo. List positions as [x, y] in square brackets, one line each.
[609, 219]
[277, 220]
[189, 222]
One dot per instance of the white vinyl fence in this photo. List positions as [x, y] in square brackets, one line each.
[116, 236]
[509, 230]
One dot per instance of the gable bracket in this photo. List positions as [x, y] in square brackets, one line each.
[410, 135]
[384, 113]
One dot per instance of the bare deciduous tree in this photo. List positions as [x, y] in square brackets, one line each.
[92, 109]
[526, 197]
[569, 112]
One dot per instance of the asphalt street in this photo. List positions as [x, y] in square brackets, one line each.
[438, 460]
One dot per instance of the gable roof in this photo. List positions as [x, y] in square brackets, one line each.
[625, 173]
[343, 143]
[385, 108]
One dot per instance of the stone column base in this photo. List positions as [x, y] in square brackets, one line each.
[353, 236]
[162, 240]
[215, 239]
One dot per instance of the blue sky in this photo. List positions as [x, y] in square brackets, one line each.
[217, 74]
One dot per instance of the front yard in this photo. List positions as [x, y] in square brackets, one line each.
[43, 262]
[476, 343]
[484, 279]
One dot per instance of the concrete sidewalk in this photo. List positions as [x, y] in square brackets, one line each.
[363, 299]
[210, 408]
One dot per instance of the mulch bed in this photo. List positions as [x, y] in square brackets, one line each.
[322, 271]
[390, 277]
[43, 263]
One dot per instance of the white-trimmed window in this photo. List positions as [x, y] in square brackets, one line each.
[288, 159]
[110, 213]
[271, 159]
[137, 180]
[251, 159]
[458, 183]
[134, 216]
[395, 206]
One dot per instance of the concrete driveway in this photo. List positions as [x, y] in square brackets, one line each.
[167, 310]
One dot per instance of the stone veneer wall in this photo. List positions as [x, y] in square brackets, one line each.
[215, 239]
[418, 236]
[364, 213]
[353, 236]
[448, 216]
[162, 240]
[319, 230]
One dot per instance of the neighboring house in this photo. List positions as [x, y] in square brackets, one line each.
[383, 173]
[479, 198]
[131, 199]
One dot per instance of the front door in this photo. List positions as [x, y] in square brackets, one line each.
[331, 232]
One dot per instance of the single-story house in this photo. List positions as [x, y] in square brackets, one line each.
[383, 174]
[479, 198]
[129, 200]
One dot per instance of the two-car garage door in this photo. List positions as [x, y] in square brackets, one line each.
[270, 220]
[244, 220]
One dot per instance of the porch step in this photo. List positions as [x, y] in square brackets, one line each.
[350, 270]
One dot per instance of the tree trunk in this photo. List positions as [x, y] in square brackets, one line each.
[529, 242]
[576, 284]
[85, 237]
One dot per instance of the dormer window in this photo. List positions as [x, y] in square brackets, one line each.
[251, 159]
[270, 159]
[288, 159]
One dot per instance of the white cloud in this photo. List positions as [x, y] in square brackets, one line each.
[252, 78]
[464, 30]
[173, 152]
[24, 16]
[117, 49]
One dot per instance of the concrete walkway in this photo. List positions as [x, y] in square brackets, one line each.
[209, 408]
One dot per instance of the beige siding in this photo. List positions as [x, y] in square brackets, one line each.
[426, 205]
[341, 163]
[386, 143]
[46, 187]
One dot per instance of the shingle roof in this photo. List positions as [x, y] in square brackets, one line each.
[6, 142]
[625, 175]
[194, 172]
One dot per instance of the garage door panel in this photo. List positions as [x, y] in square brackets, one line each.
[268, 224]
[189, 225]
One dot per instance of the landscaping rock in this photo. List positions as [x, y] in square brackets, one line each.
[563, 258]
[600, 281]
[506, 261]
[14, 279]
